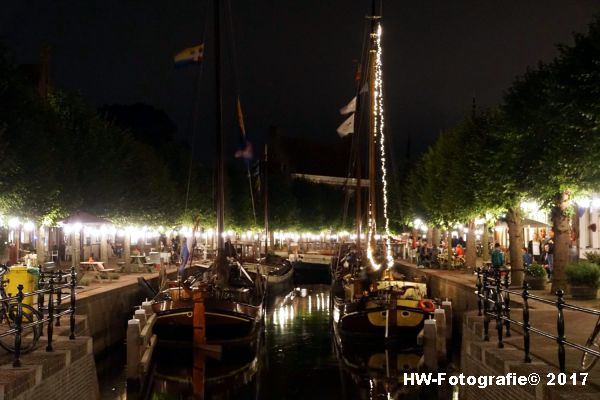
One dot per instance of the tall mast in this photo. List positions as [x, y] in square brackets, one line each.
[220, 190]
[358, 192]
[372, 136]
[266, 202]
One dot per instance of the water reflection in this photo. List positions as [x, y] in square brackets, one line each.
[198, 375]
[298, 358]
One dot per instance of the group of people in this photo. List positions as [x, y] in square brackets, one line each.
[426, 253]
[540, 251]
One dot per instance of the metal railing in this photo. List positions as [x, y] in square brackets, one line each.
[51, 285]
[494, 302]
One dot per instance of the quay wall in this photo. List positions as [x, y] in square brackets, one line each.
[107, 310]
[75, 381]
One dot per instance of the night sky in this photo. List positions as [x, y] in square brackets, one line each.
[296, 59]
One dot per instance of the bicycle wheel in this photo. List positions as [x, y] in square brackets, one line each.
[588, 359]
[29, 335]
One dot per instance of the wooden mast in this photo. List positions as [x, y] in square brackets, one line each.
[358, 192]
[372, 138]
[220, 190]
[266, 202]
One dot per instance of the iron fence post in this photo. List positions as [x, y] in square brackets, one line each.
[72, 316]
[498, 301]
[560, 327]
[50, 312]
[506, 306]
[486, 306]
[478, 285]
[40, 296]
[526, 326]
[18, 326]
[59, 296]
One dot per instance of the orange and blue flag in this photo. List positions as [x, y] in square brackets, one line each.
[191, 55]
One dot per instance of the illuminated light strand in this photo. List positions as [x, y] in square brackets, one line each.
[378, 132]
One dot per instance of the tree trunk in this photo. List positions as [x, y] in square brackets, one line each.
[575, 231]
[449, 249]
[514, 221]
[471, 253]
[39, 245]
[485, 251]
[561, 228]
[435, 240]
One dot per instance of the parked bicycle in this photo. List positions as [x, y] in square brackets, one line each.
[588, 360]
[32, 327]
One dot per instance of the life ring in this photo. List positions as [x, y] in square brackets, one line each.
[426, 305]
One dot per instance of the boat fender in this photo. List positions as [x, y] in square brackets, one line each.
[426, 305]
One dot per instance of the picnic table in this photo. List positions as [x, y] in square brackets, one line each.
[97, 267]
[140, 264]
[138, 259]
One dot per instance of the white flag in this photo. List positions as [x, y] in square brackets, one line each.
[346, 127]
[349, 108]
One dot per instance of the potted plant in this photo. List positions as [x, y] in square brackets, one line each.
[593, 256]
[584, 279]
[536, 277]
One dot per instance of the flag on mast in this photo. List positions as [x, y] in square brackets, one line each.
[346, 127]
[349, 108]
[247, 150]
[191, 55]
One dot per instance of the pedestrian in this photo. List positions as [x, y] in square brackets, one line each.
[527, 259]
[497, 258]
[534, 247]
[548, 260]
[184, 255]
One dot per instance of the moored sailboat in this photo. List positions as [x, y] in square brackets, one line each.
[221, 304]
[370, 301]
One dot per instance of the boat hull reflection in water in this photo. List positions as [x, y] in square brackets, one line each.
[196, 375]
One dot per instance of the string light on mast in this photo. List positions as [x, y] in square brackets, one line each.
[378, 133]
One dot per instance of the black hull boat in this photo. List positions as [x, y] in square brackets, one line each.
[233, 312]
[388, 311]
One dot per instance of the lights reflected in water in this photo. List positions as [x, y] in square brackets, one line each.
[299, 303]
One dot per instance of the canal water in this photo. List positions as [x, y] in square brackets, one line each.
[297, 359]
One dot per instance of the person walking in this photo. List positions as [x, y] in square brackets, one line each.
[548, 260]
[534, 247]
[184, 255]
[497, 258]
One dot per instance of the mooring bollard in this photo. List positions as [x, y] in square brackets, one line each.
[447, 307]
[140, 315]
[133, 349]
[147, 306]
[429, 345]
[440, 324]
